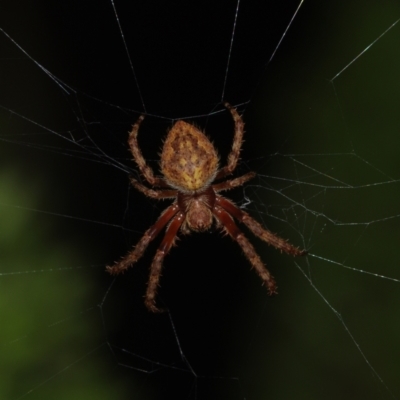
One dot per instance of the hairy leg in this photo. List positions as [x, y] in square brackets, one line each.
[156, 266]
[233, 183]
[258, 230]
[233, 156]
[141, 246]
[138, 157]
[154, 194]
[236, 234]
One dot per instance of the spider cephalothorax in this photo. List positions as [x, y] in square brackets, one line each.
[189, 165]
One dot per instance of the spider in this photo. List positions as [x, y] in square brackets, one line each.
[189, 165]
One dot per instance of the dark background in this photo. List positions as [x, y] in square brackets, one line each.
[318, 145]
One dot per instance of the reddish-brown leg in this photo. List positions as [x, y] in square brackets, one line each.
[149, 235]
[138, 157]
[154, 194]
[230, 227]
[156, 266]
[233, 183]
[257, 229]
[236, 145]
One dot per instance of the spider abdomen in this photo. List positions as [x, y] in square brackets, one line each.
[189, 161]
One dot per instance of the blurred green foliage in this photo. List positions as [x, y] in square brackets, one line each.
[52, 337]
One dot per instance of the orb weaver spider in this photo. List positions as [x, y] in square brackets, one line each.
[190, 167]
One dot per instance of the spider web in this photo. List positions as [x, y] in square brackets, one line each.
[318, 88]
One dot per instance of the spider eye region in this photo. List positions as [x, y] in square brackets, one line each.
[189, 160]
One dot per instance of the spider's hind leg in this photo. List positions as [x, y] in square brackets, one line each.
[138, 156]
[233, 156]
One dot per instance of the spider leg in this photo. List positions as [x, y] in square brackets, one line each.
[156, 266]
[141, 246]
[258, 230]
[233, 183]
[236, 145]
[236, 234]
[154, 194]
[138, 156]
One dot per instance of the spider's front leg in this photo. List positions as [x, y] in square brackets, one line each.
[156, 266]
[236, 234]
[258, 230]
[149, 235]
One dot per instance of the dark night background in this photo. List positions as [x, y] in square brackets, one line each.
[68, 209]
